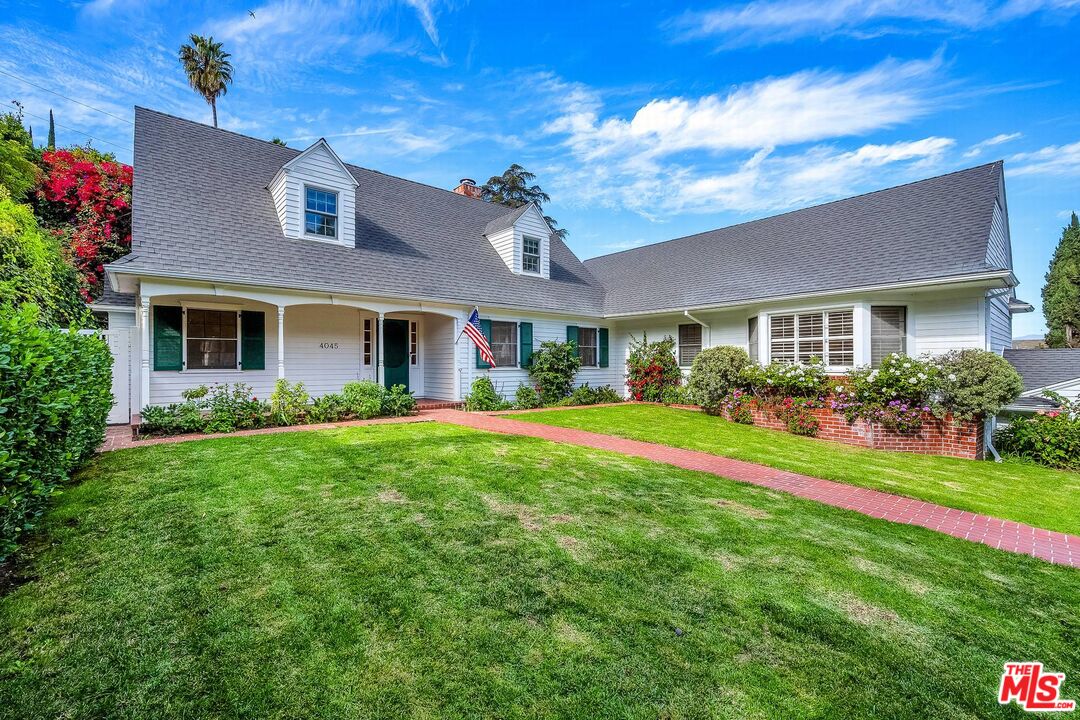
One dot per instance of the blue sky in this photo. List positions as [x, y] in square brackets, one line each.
[643, 120]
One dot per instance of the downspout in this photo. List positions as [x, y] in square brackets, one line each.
[988, 437]
[704, 325]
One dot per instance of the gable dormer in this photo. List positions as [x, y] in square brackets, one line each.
[315, 197]
[523, 240]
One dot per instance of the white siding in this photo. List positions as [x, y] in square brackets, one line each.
[506, 380]
[998, 251]
[437, 341]
[121, 319]
[946, 323]
[503, 242]
[316, 167]
[998, 254]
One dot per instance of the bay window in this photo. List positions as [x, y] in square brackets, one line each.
[800, 337]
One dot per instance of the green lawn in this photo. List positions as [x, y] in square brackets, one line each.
[432, 571]
[1013, 490]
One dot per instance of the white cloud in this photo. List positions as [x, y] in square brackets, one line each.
[1058, 160]
[769, 21]
[808, 106]
[978, 148]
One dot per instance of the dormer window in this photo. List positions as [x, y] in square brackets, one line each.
[320, 212]
[530, 256]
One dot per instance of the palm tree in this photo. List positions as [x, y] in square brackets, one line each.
[208, 69]
[513, 189]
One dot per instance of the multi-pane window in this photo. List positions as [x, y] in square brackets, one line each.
[504, 343]
[320, 212]
[588, 347]
[689, 343]
[802, 337]
[367, 341]
[888, 332]
[212, 339]
[530, 257]
[413, 343]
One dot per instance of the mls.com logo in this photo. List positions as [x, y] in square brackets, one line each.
[1028, 686]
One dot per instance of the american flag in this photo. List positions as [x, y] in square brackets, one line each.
[476, 334]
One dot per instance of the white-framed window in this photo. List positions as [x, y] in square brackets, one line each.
[530, 255]
[211, 339]
[504, 343]
[367, 341]
[888, 332]
[320, 212]
[414, 343]
[828, 335]
[689, 343]
[588, 346]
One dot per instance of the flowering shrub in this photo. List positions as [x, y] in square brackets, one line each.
[84, 199]
[1049, 438]
[651, 368]
[782, 380]
[233, 408]
[899, 378]
[795, 412]
[976, 383]
[736, 407]
[716, 372]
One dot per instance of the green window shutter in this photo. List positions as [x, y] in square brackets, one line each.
[602, 334]
[525, 340]
[572, 336]
[485, 326]
[253, 340]
[168, 338]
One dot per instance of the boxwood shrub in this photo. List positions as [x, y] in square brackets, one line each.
[55, 397]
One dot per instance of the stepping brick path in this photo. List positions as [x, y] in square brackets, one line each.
[1055, 547]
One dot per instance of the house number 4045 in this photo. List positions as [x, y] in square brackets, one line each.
[328, 346]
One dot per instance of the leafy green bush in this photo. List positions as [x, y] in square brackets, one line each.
[651, 368]
[716, 372]
[331, 407]
[56, 393]
[583, 395]
[233, 407]
[553, 369]
[527, 398]
[288, 402]
[606, 394]
[1051, 438]
[976, 383]
[675, 395]
[398, 401]
[364, 398]
[482, 397]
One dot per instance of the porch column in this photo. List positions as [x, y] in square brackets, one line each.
[144, 353]
[457, 359]
[378, 350]
[281, 342]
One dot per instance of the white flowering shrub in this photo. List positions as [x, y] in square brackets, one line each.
[976, 383]
[899, 378]
[778, 379]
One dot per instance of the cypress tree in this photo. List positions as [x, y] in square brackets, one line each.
[1061, 293]
[52, 132]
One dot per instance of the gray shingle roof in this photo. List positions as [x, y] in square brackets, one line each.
[1045, 366]
[201, 209]
[115, 299]
[505, 221]
[924, 230]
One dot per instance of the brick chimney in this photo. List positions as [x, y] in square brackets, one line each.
[468, 188]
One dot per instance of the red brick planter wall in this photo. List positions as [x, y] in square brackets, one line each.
[962, 439]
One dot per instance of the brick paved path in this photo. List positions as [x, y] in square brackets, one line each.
[1054, 547]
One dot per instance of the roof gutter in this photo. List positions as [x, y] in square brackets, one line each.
[1005, 275]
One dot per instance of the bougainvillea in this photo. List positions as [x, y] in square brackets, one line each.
[651, 368]
[84, 198]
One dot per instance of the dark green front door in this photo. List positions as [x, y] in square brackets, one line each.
[395, 353]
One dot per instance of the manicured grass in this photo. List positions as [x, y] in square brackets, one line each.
[433, 571]
[1012, 489]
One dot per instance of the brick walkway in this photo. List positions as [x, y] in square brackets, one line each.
[1055, 547]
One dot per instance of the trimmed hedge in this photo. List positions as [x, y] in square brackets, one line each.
[55, 396]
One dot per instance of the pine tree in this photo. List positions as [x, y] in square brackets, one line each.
[1061, 293]
[52, 132]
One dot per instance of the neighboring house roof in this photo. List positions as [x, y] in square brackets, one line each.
[1031, 404]
[936, 228]
[112, 299]
[202, 211]
[1045, 367]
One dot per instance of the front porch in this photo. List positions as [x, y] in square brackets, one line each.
[191, 336]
